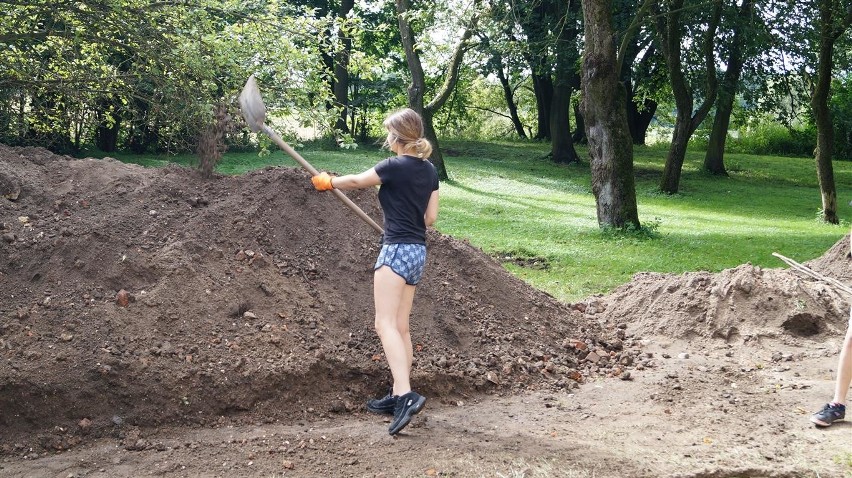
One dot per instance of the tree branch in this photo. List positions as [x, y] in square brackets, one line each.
[710, 64]
[490, 111]
[452, 76]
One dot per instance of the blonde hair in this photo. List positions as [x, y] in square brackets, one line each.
[406, 128]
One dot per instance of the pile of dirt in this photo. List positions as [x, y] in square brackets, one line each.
[736, 305]
[835, 262]
[191, 320]
[137, 296]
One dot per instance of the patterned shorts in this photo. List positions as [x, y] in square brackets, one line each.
[407, 260]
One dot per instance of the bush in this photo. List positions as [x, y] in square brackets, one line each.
[770, 138]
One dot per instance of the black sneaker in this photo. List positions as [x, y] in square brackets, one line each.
[829, 414]
[384, 405]
[407, 406]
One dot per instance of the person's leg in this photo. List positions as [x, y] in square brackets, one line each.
[388, 293]
[402, 321]
[836, 408]
[844, 369]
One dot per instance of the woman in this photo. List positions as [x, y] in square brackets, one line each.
[408, 195]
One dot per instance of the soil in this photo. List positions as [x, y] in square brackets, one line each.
[157, 323]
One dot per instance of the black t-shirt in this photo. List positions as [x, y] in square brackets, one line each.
[407, 185]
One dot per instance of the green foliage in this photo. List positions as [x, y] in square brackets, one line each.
[768, 137]
[485, 115]
[144, 76]
[648, 230]
[90, 68]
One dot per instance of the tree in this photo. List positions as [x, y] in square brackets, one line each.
[500, 70]
[145, 76]
[337, 39]
[377, 69]
[832, 22]
[812, 31]
[84, 61]
[671, 28]
[341, 66]
[566, 79]
[417, 88]
[605, 116]
[535, 18]
[641, 106]
[497, 47]
[742, 20]
[551, 40]
[639, 67]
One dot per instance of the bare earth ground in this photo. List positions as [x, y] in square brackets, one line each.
[243, 345]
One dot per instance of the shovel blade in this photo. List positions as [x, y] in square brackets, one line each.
[251, 105]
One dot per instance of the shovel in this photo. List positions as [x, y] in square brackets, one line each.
[254, 112]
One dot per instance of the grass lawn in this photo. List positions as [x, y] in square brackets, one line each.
[539, 217]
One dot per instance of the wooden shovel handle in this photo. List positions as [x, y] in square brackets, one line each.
[299, 159]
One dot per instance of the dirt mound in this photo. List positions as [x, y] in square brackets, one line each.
[835, 263]
[173, 325]
[736, 305]
[144, 296]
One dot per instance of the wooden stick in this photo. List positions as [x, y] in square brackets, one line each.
[254, 112]
[802, 268]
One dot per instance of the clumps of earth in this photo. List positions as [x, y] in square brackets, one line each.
[133, 298]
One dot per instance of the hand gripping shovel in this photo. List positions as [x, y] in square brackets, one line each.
[254, 112]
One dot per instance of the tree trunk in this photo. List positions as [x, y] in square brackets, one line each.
[714, 160]
[417, 88]
[677, 153]
[562, 144]
[79, 127]
[535, 24]
[579, 135]
[610, 145]
[632, 45]
[828, 34]
[638, 119]
[6, 115]
[21, 134]
[352, 117]
[671, 35]
[509, 95]
[641, 120]
[543, 89]
[341, 69]
[106, 136]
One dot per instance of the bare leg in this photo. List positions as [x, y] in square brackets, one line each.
[402, 320]
[388, 293]
[844, 369]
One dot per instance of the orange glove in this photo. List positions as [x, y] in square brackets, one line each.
[322, 182]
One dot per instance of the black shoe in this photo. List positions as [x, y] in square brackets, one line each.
[384, 405]
[407, 406]
[829, 414]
